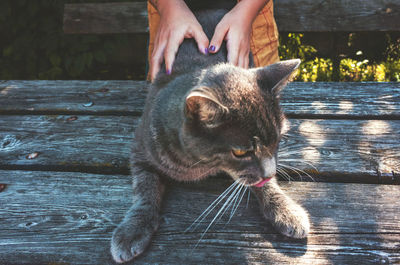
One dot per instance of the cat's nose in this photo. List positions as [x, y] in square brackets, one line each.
[269, 167]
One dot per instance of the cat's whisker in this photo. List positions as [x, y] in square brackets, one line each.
[284, 174]
[301, 161]
[298, 170]
[212, 206]
[248, 199]
[310, 164]
[237, 205]
[286, 152]
[236, 195]
[205, 214]
[218, 213]
[197, 162]
[236, 199]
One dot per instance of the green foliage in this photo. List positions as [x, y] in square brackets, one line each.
[321, 69]
[291, 47]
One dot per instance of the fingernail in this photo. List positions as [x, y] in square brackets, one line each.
[206, 51]
[168, 72]
[212, 48]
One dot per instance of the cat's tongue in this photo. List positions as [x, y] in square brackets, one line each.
[262, 182]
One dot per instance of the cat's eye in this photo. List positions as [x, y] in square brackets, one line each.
[240, 152]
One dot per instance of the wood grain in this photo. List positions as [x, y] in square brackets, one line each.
[337, 100]
[56, 217]
[341, 150]
[67, 141]
[106, 18]
[337, 16]
[91, 97]
[291, 16]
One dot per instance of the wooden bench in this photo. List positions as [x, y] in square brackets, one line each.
[326, 20]
[65, 185]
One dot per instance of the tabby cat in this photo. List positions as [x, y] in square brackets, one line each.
[207, 117]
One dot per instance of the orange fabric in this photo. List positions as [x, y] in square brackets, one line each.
[154, 20]
[264, 36]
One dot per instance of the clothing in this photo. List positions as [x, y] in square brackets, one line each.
[264, 35]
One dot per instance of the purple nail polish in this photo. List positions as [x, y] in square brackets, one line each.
[212, 48]
[168, 72]
[206, 51]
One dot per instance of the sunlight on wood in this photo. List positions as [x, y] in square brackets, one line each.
[375, 127]
[320, 107]
[385, 160]
[5, 90]
[345, 107]
[311, 154]
[387, 104]
[311, 129]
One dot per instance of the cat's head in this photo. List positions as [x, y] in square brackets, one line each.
[233, 121]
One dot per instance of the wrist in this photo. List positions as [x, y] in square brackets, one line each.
[249, 9]
[166, 7]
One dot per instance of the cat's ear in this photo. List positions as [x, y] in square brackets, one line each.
[275, 76]
[203, 106]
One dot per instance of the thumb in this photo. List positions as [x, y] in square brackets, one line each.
[202, 40]
[218, 38]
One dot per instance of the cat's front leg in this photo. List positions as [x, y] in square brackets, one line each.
[288, 217]
[134, 233]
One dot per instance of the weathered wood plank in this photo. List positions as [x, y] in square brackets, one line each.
[67, 141]
[106, 18]
[342, 99]
[55, 217]
[47, 96]
[122, 97]
[338, 15]
[291, 16]
[342, 150]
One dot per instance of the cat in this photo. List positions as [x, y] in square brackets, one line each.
[207, 117]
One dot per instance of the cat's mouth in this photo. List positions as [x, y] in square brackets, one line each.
[262, 182]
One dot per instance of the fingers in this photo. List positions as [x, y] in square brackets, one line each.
[171, 49]
[246, 62]
[218, 38]
[243, 59]
[202, 40]
[168, 48]
[233, 53]
[156, 59]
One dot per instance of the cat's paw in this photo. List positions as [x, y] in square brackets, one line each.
[291, 220]
[129, 241]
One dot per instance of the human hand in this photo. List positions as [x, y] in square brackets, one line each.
[235, 29]
[177, 22]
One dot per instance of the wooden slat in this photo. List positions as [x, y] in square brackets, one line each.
[291, 16]
[345, 150]
[106, 18]
[55, 217]
[342, 99]
[66, 141]
[107, 97]
[47, 96]
[337, 15]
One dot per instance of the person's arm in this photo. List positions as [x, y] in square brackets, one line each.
[177, 22]
[235, 28]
